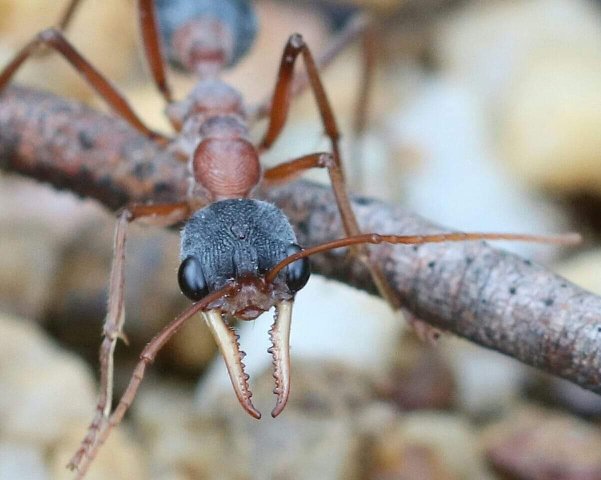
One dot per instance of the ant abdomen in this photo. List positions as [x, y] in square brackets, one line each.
[228, 28]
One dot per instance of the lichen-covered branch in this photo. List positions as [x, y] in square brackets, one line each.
[489, 296]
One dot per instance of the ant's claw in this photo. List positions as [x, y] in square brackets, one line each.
[228, 343]
[280, 352]
[227, 339]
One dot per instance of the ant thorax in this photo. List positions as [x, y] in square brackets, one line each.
[240, 240]
[214, 139]
[210, 98]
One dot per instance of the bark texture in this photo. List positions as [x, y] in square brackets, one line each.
[489, 296]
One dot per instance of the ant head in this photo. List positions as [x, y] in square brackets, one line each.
[228, 250]
[240, 240]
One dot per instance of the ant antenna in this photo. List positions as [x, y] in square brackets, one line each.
[374, 238]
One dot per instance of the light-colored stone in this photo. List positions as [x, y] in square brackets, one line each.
[459, 180]
[22, 461]
[583, 269]
[451, 436]
[35, 376]
[27, 269]
[35, 223]
[47, 402]
[536, 443]
[426, 445]
[120, 458]
[550, 128]
[488, 45]
[486, 382]
[419, 376]
[535, 66]
[315, 437]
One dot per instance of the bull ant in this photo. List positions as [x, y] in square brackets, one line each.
[239, 256]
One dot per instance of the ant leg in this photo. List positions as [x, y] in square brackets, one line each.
[146, 357]
[369, 51]
[424, 331]
[152, 47]
[290, 170]
[115, 317]
[112, 331]
[53, 38]
[356, 27]
[67, 14]
[280, 105]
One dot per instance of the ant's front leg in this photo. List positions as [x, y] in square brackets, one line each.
[115, 318]
[280, 105]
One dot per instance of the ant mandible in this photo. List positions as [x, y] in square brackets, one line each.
[239, 255]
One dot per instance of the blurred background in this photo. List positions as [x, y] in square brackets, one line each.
[484, 115]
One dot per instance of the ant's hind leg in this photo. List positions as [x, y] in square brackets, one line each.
[54, 39]
[67, 15]
[359, 27]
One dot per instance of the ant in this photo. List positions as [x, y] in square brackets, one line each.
[239, 255]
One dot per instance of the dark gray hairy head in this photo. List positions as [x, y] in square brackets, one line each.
[235, 238]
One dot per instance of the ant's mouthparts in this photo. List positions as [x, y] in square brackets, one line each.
[228, 341]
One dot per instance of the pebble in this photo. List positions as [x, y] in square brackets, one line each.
[27, 269]
[419, 376]
[120, 458]
[22, 461]
[459, 180]
[35, 223]
[425, 445]
[531, 443]
[538, 81]
[219, 440]
[40, 430]
[34, 376]
[486, 382]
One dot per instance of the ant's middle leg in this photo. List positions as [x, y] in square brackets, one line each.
[54, 39]
[280, 106]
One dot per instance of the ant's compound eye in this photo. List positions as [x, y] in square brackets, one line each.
[297, 273]
[191, 280]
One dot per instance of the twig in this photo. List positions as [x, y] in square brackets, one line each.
[489, 296]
